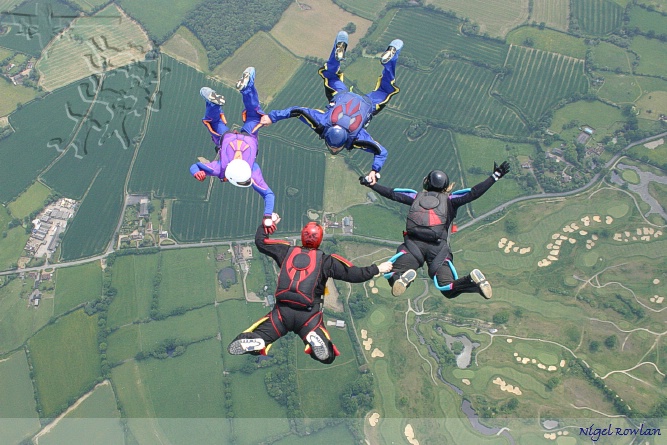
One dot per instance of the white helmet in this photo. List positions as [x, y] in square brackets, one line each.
[238, 173]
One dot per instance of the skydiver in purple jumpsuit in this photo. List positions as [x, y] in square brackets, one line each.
[237, 150]
[343, 123]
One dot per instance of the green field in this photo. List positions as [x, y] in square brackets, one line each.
[89, 5]
[182, 272]
[493, 18]
[611, 57]
[368, 9]
[620, 88]
[18, 321]
[12, 95]
[366, 219]
[32, 200]
[647, 21]
[65, 360]
[96, 418]
[11, 247]
[186, 48]
[657, 155]
[18, 417]
[652, 55]
[77, 285]
[553, 13]
[548, 40]
[597, 17]
[548, 77]
[133, 278]
[160, 22]
[604, 118]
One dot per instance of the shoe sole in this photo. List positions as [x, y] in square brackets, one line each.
[243, 345]
[388, 55]
[217, 99]
[480, 280]
[318, 346]
[402, 283]
[340, 52]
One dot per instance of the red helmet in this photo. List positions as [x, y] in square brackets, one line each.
[311, 235]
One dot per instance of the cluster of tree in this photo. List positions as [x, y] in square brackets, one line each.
[501, 317]
[552, 383]
[358, 395]
[621, 407]
[170, 347]
[359, 305]
[234, 23]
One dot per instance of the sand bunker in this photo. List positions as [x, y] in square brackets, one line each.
[410, 435]
[465, 382]
[375, 290]
[367, 344]
[510, 246]
[527, 360]
[654, 144]
[609, 220]
[371, 283]
[656, 299]
[562, 363]
[505, 387]
[509, 340]
[364, 334]
[377, 353]
[656, 281]
[644, 234]
[374, 419]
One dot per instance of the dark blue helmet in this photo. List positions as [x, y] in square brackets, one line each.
[436, 181]
[335, 138]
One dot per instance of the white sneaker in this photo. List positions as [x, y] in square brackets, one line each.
[341, 45]
[482, 284]
[243, 345]
[318, 345]
[210, 95]
[247, 77]
[402, 283]
[394, 47]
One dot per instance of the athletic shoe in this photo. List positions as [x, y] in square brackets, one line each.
[318, 345]
[403, 282]
[244, 345]
[247, 77]
[211, 96]
[341, 45]
[393, 48]
[482, 284]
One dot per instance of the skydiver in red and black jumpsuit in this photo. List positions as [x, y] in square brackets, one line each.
[304, 271]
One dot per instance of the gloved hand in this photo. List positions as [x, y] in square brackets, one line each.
[370, 179]
[269, 224]
[500, 170]
[200, 175]
[385, 267]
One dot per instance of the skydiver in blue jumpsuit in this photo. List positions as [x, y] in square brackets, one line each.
[343, 123]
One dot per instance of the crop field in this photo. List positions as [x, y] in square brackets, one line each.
[647, 21]
[366, 219]
[548, 77]
[38, 23]
[29, 201]
[234, 317]
[611, 57]
[439, 33]
[652, 54]
[368, 9]
[186, 48]
[182, 271]
[159, 21]
[17, 321]
[76, 285]
[11, 247]
[65, 359]
[463, 89]
[107, 40]
[133, 278]
[27, 151]
[597, 17]
[274, 65]
[330, 19]
[495, 18]
[89, 5]
[18, 417]
[255, 404]
[653, 104]
[341, 186]
[13, 94]
[554, 13]
[548, 40]
[96, 418]
[8, 5]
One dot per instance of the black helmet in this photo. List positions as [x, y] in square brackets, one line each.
[436, 181]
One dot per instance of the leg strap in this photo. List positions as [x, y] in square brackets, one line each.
[447, 286]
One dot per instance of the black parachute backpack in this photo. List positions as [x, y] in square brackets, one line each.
[298, 277]
[427, 218]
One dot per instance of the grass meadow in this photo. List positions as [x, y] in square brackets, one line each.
[11, 247]
[647, 21]
[159, 21]
[620, 88]
[604, 118]
[89, 5]
[274, 65]
[493, 18]
[597, 17]
[65, 359]
[133, 278]
[18, 321]
[234, 317]
[339, 433]
[76, 285]
[31, 200]
[18, 417]
[553, 13]
[183, 271]
[611, 57]
[109, 37]
[548, 40]
[296, 27]
[377, 221]
[8, 5]
[368, 9]
[652, 53]
[341, 186]
[186, 48]
[657, 155]
[12, 95]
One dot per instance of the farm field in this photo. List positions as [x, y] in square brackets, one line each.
[8, 5]
[652, 55]
[183, 270]
[495, 19]
[159, 21]
[13, 95]
[548, 40]
[132, 277]
[612, 58]
[660, 5]
[89, 5]
[107, 40]
[603, 118]
[77, 285]
[368, 9]
[32, 200]
[653, 104]
[553, 13]
[366, 219]
[186, 48]
[647, 21]
[330, 19]
[548, 76]
[18, 322]
[597, 17]
[18, 417]
[619, 88]
[11, 246]
[274, 65]
[341, 186]
[65, 359]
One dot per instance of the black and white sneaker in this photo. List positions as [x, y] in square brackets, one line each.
[482, 284]
[341, 45]
[394, 47]
[210, 95]
[247, 77]
[245, 345]
[403, 282]
[318, 345]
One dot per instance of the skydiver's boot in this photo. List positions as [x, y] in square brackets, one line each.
[317, 345]
[403, 282]
[392, 50]
[482, 284]
[245, 343]
[475, 282]
[247, 77]
[210, 95]
[341, 45]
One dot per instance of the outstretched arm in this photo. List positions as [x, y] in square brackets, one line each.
[339, 268]
[478, 190]
[404, 196]
[367, 143]
[276, 249]
[200, 170]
